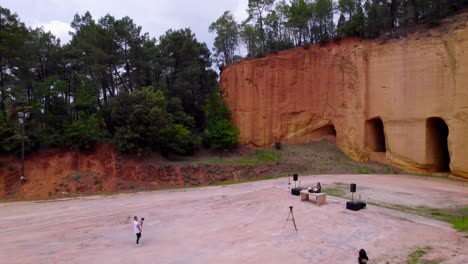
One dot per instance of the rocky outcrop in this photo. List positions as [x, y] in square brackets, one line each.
[405, 99]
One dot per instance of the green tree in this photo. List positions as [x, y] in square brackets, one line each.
[187, 74]
[282, 10]
[138, 119]
[220, 133]
[227, 38]
[324, 19]
[13, 35]
[341, 30]
[347, 7]
[356, 23]
[257, 10]
[275, 40]
[373, 23]
[250, 36]
[299, 16]
[93, 53]
[52, 112]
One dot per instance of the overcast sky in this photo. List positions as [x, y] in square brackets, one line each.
[154, 16]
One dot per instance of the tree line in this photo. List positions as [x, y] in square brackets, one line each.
[277, 25]
[110, 83]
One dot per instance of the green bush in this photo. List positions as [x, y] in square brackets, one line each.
[178, 139]
[222, 135]
[83, 133]
[127, 140]
[179, 116]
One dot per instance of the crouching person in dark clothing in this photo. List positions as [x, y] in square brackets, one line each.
[363, 257]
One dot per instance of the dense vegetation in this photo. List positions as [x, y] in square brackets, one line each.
[110, 83]
[278, 25]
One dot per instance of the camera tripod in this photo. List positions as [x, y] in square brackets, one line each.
[291, 214]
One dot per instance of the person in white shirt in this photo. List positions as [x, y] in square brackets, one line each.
[137, 229]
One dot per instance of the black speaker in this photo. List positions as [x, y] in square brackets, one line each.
[296, 191]
[355, 206]
[352, 188]
[295, 177]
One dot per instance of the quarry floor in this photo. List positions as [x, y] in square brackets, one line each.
[240, 223]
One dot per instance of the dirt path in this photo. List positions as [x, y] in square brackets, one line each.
[236, 224]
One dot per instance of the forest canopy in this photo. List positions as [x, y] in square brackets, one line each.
[110, 83]
[274, 25]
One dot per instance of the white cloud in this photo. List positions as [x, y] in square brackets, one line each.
[240, 12]
[58, 28]
[155, 16]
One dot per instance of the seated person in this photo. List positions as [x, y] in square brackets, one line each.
[316, 189]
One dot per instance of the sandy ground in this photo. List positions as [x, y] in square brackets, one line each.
[236, 224]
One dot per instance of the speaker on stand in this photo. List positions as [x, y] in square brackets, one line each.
[352, 189]
[296, 191]
[352, 205]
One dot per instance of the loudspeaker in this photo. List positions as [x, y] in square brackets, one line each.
[296, 191]
[355, 206]
[352, 188]
[295, 176]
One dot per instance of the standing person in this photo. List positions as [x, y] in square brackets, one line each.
[137, 229]
[363, 258]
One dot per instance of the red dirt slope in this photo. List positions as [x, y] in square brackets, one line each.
[61, 173]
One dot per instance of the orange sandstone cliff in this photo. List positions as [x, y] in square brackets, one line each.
[405, 100]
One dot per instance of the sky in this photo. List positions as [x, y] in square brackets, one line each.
[154, 16]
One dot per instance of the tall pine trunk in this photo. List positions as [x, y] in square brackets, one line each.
[2, 90]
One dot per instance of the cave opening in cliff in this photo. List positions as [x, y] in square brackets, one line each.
[436, 144]
[375, 135]
[325, 132]
[331, 130]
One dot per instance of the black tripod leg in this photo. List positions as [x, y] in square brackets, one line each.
[294, 221]
[287, 220]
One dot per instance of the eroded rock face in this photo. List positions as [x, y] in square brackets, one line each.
[406, 99]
